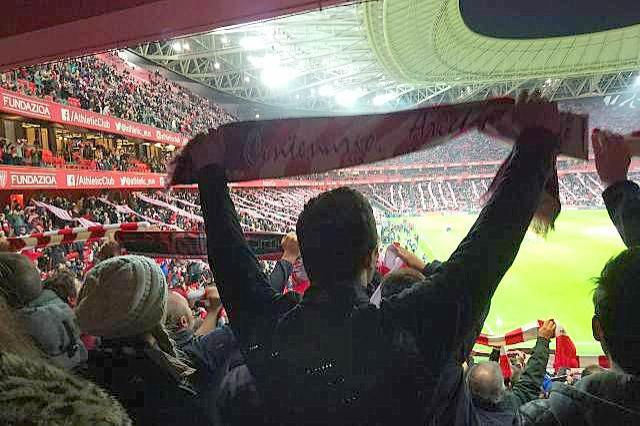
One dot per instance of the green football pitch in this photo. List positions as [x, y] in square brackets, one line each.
[550, 278]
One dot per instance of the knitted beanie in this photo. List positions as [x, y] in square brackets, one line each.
[124, 296]
[36, 393]
[19, 280]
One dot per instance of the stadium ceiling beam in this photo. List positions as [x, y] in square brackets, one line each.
[555, 89]
[105, 25]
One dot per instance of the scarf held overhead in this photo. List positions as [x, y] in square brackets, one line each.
[297, 146]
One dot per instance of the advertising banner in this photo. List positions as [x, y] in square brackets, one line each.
[25, 106]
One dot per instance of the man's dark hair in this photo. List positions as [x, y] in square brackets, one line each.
[63, 284]
[337, 232]
[616, 300]
[396, 281]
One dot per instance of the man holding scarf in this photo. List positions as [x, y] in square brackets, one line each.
[335, 358]
[611, 397]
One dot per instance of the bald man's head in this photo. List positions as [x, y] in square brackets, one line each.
[486, 383]
[179, 316]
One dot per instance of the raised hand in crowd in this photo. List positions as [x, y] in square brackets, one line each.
[410, 259]
[621, 196]
[612, 155]
[548, 330]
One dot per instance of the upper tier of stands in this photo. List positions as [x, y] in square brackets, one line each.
[106, 85]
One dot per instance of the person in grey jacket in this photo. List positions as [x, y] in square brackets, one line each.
[613, 397]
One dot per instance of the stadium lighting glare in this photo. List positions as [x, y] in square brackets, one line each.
[224, 40]
[216, 65]
[380, 100]
[252, 43]
[326, 91]
[348, 98]
[257, 116]
[177, 46]
[277, 76]
[186, 46]
[247, 79]
[264, 61]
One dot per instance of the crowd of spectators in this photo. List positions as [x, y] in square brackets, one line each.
[267, 209]
[103, 86]
[153, 334]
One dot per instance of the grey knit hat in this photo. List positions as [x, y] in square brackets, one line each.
[124, 296]
[19, 280]
[36, 393]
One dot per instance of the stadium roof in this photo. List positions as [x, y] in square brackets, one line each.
[394, 54]
[37, 31]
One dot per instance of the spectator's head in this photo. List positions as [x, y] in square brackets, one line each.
[47, 319]
[616, 322]
[107, 251]
[19, 280]
[35, 392]
[13, 336]
[592, 369]
[179, 316]
[125, 297]
[396, 281]
[65, 284]
[486, 383]
[338, 238]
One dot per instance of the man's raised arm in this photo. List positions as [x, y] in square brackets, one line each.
[528, 387]
[458, 295]
[246, 293]
[621, 196]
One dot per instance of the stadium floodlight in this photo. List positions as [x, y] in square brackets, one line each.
[247, 79]
[326, 90]
[186, 46]
[177, 46]
[252, 43]
[224, 39]
[257, 115]
[348, 98]
[380, 100]
[216, 65]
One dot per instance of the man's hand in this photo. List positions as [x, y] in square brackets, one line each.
[612, 156]
[291, 248]
[548, 330]
[410, 259]
[212, 299]
[534, 111]
[202, 150]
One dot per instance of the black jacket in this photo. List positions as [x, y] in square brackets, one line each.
[335, 358]
[605, 398]
[149, 393]
[226, 388]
